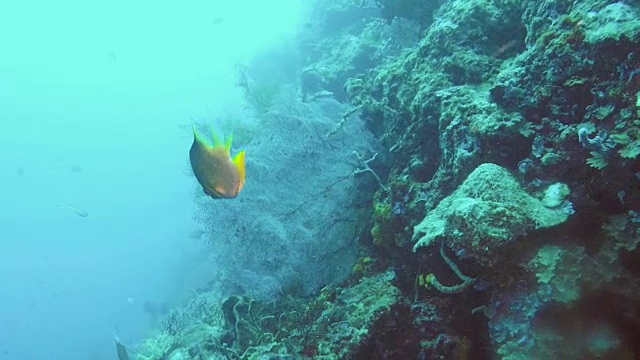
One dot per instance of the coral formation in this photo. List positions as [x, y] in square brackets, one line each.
[338, 323]
[487, 210]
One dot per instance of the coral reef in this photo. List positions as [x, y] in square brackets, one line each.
[340, 322]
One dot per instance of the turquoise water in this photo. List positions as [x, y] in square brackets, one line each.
[95, 214]
[443, 179]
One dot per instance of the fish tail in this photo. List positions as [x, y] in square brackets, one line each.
[238, 161]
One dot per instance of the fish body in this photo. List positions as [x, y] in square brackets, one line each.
[221, 176]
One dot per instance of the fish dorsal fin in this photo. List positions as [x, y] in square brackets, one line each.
[216, 138]
[193, 127]
[227, 144]
[196, 136]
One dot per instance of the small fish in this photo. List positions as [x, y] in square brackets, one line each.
[121, 350]
[221, 176]
[74, 210]
[156, 309]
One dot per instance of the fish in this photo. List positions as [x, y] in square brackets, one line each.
[220, 175]
[156, 309]
[121, 350]
[79, 212]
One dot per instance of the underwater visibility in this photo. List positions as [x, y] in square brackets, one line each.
[321, 179]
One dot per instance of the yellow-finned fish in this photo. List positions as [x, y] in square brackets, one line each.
[221, 176]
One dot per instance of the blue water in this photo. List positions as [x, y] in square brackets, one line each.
[95, 204]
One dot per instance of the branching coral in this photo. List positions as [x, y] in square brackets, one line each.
[431, 279]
